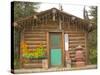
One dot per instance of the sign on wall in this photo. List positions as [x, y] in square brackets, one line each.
[66, 42]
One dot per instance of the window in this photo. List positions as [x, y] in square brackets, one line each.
[55, 40]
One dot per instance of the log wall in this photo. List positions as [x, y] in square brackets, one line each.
[36, 35]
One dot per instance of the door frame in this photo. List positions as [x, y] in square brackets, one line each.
[62, 47]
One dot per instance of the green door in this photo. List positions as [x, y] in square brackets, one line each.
[55, 49]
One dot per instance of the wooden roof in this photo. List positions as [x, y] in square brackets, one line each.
[49, 12]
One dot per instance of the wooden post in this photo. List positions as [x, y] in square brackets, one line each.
[21, 39]
[48, 52]
[60, 27]
[63, 52]
[46, 19]
[68, 25]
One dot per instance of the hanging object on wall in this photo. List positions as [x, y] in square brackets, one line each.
[66, 42]
[54, 12]
[35, 18]
[73, 18]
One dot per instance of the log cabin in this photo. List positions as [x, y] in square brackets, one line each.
[59, 32]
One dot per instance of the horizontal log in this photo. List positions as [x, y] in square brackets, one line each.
[34, 35]
[35, 42]
[35, 39]
[33, 65]
[36, 45]
[41, 30]
[71, 51]
[75, 45]
[73, 62]
[83, 38]
[49, 25]
[33, 45]
[32, 48]
[46, 26]
[34, 32]
[74, 48]
[76, 35]
[31, 36]
[73, 32]
[73, 59]
[30, 61]
[74, 55]
[80, 64]
[76, 42]
[73, 39]
[70, 29]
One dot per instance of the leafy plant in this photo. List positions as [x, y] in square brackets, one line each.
[16, 47]
[92, 36]
[39, 52]
[24, 48]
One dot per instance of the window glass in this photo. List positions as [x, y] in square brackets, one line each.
[55, 41]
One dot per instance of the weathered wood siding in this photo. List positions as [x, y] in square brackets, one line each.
[75, 39]
[36, 35]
